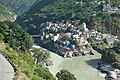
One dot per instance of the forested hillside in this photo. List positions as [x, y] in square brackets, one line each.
[90, 12]
[17, 38]
[16, 45]
[6, 14]
[18, 6]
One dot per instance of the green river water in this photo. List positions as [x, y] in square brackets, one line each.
[83, 67]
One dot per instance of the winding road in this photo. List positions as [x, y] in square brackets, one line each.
[6, 69]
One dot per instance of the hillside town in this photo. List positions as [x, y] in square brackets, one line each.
[59, 39]
[71, 39]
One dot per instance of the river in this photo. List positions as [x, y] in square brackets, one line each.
[83, 67]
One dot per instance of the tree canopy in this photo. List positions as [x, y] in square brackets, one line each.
[17, 38]
[65, 75]
[112, 55]
[40, 54]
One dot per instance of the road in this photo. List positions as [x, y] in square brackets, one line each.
[6, 70]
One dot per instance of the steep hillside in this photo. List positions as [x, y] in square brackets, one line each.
[16, 46]
[6, 14]
[18, 6]
[92, 12]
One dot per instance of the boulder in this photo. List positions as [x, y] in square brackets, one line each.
[48, 62]
[112, 74]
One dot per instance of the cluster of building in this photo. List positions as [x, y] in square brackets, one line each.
[70, 39]
[107, 7]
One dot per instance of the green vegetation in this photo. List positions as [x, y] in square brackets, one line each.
[16, 45]
[40, 55]
[1, 37]
[15, 36]
[107, 22]
[117, 47]
[48, 44]
[91, 12]
[6, 14]
[65, 75]
[115, 3]
[86, 11]
[112, 55]
[98, 45]
[25, 65]
[18, 6]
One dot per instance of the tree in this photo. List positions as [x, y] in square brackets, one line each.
[44, 73]
[1, 37]
[65, 75]
[64, 38]
[109, 56]
[117, 47]
[40, 55]
[112, 55]
[17, 38]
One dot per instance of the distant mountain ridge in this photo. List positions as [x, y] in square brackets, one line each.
[18, 6]
[6, 14]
